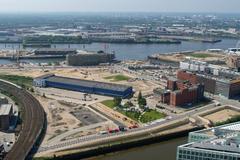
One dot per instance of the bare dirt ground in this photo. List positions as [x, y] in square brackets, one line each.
[222, 115]
[178, 57]
[94, 73]
[64, 125]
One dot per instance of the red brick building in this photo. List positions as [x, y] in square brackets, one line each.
[184, 96]
[181, 92]
[183, 75]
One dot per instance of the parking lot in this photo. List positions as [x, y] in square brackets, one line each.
[87, 117]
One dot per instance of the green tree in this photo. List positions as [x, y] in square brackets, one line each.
[117, 101]
[140, 96]
[128, 104]
[142, 102]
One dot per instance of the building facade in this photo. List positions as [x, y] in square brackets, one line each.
[54, 51]
[89, 58]
[6, 113]
[179, 93]
[219, 143]
[86, 86]
[216, 85]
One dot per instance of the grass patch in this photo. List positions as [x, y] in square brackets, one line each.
[151, 115]
[25, 82]
[148, 116]
[117, 78]
[201, 55]
[109, 103]
[132, 115]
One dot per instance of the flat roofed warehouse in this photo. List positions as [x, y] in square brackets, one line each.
[86, 58]
[86, 86]
[55, 51]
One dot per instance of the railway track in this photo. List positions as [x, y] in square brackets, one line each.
[33, 119]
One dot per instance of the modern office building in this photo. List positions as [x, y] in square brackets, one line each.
[86, 86]
[84, 58]
[219, 143]
[218, 85]
[210, 69]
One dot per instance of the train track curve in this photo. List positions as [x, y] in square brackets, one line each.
[33, 121]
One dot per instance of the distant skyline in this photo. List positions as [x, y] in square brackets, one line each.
[211, 6]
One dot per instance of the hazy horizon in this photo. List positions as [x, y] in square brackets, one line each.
[82, 6]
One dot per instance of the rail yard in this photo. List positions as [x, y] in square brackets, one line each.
[33, 118]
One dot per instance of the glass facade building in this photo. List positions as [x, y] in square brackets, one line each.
[219, 143]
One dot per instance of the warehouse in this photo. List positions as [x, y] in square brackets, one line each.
[85, 58]
[86, 86]
[54, 51]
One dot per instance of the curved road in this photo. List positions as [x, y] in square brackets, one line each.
[33, 117]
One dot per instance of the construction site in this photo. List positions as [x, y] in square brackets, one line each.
[79, 120]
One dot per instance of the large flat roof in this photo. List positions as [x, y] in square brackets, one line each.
[227, 141]
[5, 109]
[55, 50]
[216, 147]
[88, 83]
[44, 76]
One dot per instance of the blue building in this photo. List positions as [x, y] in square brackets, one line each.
[86, 86]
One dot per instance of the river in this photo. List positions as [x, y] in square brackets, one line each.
[136, 51]
[161, 151]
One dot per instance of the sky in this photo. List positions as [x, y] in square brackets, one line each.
[225, 6]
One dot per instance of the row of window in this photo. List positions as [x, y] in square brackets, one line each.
[196, 155]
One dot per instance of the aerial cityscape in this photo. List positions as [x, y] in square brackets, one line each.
[104, 80]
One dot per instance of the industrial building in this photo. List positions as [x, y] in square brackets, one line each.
[219, 143]
[54, 51]
[111, 35]
[85, 58]
[179, 93]
[86, 86]
[6, 113]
